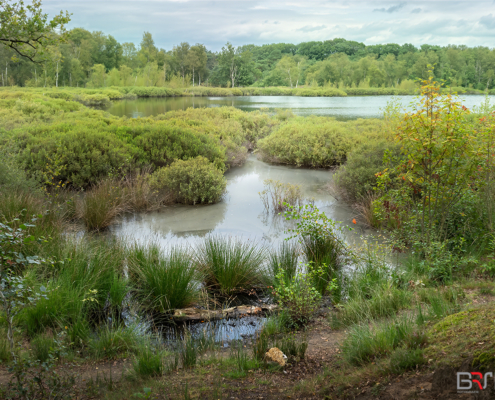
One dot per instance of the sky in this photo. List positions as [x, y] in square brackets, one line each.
[213, 23]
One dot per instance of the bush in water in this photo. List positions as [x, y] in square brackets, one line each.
[194, 181]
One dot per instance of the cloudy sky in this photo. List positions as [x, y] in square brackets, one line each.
[272, 21]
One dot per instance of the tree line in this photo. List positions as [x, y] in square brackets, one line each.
[94, 59]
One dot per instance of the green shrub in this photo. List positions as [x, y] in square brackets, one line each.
[12, 175]
[356, 178]
[298, 297]
[194, 181]
[317, 141]
[229, 265]
[78, 154]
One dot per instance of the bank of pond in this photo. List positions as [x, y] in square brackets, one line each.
[114, 230]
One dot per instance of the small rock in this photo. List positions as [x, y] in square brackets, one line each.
[275, 355]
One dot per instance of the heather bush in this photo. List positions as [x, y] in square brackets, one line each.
[194, 181]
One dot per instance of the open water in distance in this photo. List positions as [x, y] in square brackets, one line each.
[342, 108]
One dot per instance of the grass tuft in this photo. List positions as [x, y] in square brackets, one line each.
[148, 363]
[229, 265]
[163, 282]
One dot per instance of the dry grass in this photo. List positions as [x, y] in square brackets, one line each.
[102, 204]
[277, 194]
[138, 193]
[364, 209]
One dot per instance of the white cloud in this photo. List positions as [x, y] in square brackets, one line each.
[214, 22]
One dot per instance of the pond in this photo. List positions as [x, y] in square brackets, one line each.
[241, 213]
[342, 108]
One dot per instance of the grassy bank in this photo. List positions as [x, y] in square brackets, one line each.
[346, 317]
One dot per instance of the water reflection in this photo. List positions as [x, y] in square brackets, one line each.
[240, 213]
[342, 108]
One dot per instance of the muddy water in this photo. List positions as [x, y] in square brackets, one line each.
[240, 213]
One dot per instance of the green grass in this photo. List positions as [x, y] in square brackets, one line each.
[293, 346]
[115, 340]
[285, 258]
[163, 281]
[384, 302]
[41, 346]
[230, 265]
[79, 287]
[365, 343]
[5, 354]
[188, 353]
[101, 205]
[148, 363]
[402, 360]
[326, 253]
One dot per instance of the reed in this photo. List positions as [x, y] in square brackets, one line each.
[102, 204]
[285, 259]
[163, 282]
[229, 265]
[277, 194]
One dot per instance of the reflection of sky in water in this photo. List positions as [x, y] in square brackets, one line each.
[350, 107]
[223, 331]
[240, 213]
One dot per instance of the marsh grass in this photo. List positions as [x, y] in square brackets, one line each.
[79, 287]
[229, 265]
[188, 352]
[112, 340]
[261, 345]
[41, 346]
[276, 194]
[434, 305]
[240, 360]
[369, 341]
[328, 255]
[148, 363]
[24, 206]
[163, 281]
[384, 302]
[293, 346]
[102, 204]
[139, 194]
[286, 259]
[402, 360]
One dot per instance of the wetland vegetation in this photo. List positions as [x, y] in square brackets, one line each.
[72, 297]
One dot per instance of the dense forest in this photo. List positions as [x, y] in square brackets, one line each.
[93, 59]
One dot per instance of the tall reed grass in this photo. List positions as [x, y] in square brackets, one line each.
[276, 194]
[163, 281]
[285, 259]
[230, 265]
[100, 205]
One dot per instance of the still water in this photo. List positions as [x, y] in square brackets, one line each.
[342, 108]
[241, 213]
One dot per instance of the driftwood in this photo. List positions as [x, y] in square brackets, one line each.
[199, 315]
